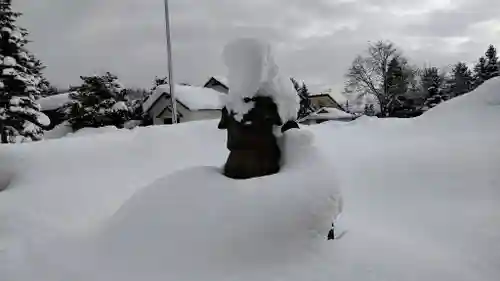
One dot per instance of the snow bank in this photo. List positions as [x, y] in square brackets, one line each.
[330, 114]
[253, 72]
[194, 98]
[54, 102]
[196, 224]
[58, 131]
[421, 203]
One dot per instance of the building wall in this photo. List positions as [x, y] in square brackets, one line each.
[161, 116]
[201, 115]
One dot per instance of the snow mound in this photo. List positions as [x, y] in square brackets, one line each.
[485, 97]
[481, 106]
[54, 102]
[254, 72]
[197, 224]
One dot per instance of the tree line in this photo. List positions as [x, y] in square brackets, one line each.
[404, 90]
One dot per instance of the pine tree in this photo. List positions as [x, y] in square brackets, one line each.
[99, 101]
[397, 85]
[487, 67]
[480, 72]
[305, 102]
[20, 78]
[461, 80]
[432, 86]
[491, 66]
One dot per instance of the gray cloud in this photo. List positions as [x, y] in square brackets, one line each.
[315, 40]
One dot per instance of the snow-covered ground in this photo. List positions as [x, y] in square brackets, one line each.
[421, 202]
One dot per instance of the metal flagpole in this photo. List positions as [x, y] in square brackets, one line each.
[170, 65]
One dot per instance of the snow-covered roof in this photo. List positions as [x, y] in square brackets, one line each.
[222, 79]
[328, 113]
[192, 97]
[337, 96]
[54, 102]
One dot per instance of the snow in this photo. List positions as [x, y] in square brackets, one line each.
[222, 79]
[6, 29]
[9, 61]
[24, 56]
[194, 98]
[330, 114]
[422, 202]
[253, 72]
[9, 71]
[121, 105]
[337, 96]
[42, 119]
[54, 102]
[59, 131]
[16, 101]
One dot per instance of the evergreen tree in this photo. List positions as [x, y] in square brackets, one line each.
[487, 67]
[99, 101]
[396, 80]
[369, 110]
[491, 66]
[461, 80]
[480, 72]
[305, 102]
[397, 86]
[432, 86]
[20, 81]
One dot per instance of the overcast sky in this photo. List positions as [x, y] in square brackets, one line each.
[314, 40]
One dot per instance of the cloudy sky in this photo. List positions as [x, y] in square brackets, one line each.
[314, 40]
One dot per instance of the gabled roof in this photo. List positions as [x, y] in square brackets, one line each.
[311, 97]
[191, 97]
[221, 80]
[329, 113]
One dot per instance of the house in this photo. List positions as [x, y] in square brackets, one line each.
[218, 83]
[52, 105]
[324, 100]
[327, 114]
[193, 103]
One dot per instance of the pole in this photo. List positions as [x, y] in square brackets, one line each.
[170, 65]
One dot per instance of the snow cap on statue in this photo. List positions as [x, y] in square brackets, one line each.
[252, 71]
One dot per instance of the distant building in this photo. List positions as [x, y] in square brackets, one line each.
[218, 83]
[327, 114]
[324, 100]
[193, 103]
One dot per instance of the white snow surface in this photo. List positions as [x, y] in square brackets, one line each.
[9, 71]
[120, 106]
[422, 202]
[6, 29]
[54, 102]
[9, 61]
[330, 114]
[193, 97]
[252, 71]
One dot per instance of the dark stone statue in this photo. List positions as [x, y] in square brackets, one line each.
[253, 147]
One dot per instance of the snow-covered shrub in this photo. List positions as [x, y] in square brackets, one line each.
[98, 102]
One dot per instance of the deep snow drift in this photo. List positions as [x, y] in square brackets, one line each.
[421, 197]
